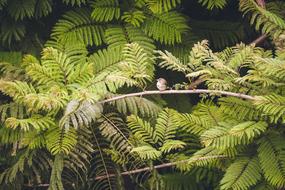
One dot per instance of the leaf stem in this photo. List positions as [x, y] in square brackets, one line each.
[196, 91]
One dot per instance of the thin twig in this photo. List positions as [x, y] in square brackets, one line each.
[261, 38]
[170, 164]
[165, 165]
[258, 40]
[196, 91]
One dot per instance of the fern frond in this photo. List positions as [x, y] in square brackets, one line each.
[55, 179]
[180, 181]
[21, 9]
[50, 101]
[266, 21]
[161, 6]
[147, 152]
[141, 129]
[101, 164]
[80, 114]
[209, 113]
[166, 27]
[226, 136]
[105, 59]
[192, 123]
[136, 106]
[34, 139]
[75, 2]
[9, 175]
[243, 173]
[271, 154]
[112, 127]
[170, 62]
[36, 122]
[17, 89]
[134, 18]
[110, 81]
[271, 105]
[207, 156]
[12, 31]
[137, 63]
[240, 109]
[76, 26]
[60, 141]
[9, 136]
[104, 11]
[170, 145]
[11, 110]
[118, 36]
[165, 128]
[43, 8]
[211, 4]
[219, 33]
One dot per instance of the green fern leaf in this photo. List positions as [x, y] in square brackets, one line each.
[118, 36]
[137, 63]
[135, 105]
[141, 129]
[105, 11]
[21, 9]
[271, 105]
[12, 31]
[166, 27]
[147, 152]
[207, 156]
[55, 179]
[242, 174]
[34, 140]
[9, 136]
[219, 33]
[43, 8]
[75, 2]
[165, 128]
[211, 4]
[170, 145]
[77, 26]
[38, 123]
[161, 6]
[192, 123]
[170, 62]
[12, 110]
[134, 18]
[266, 21]
[80, 114]
[240, 109]
[271, 154]
[226, 136]
[105, 59]
[60, 141]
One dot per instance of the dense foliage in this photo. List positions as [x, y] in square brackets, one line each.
[62, 127]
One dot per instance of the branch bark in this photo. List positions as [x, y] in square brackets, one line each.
[165, 165]
[261, 38]
[196, 91]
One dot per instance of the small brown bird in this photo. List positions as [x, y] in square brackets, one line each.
[161, 84]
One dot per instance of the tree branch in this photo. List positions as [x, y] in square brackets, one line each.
[161, 166]
[258, 40]
[196, 91]
[261, 38]
[170, 164]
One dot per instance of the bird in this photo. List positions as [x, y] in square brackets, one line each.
[161, 84]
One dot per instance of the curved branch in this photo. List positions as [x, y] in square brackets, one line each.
[165, 165]
[196, 91]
